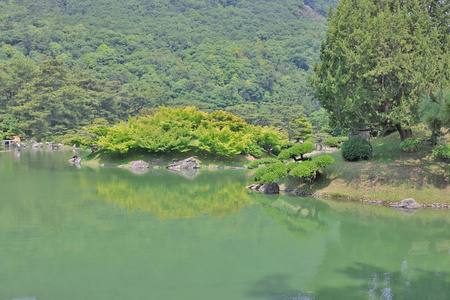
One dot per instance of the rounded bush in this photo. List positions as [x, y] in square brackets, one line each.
[442, 151]
[356, 148]
[255, 151]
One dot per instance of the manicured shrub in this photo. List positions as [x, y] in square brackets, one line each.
[356, 148]
[411, 144]
[255, 151]
[257, 162]
[271, 173]
[335, 141]
[323, 160]
[442, 151]
[295, 151]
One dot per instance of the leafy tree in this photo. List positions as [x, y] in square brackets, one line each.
[9, 126]
[378, 58]
[300, 129]
[435, 111]
[297, 150]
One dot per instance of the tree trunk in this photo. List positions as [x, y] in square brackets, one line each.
[404, 133]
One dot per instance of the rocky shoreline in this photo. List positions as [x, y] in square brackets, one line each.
[143, 165]
[404, 204]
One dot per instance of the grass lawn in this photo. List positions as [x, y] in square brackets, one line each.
[391, 175]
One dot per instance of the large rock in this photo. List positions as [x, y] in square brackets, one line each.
[75, 160]
[269, 188]
[188, 163]
[138, 164]
[409, 203]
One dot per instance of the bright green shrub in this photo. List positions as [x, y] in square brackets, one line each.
[271, 173]
[356, 148]
[442, 151]
[257, 162]
[410, 143]
[296, 151]
[255, 151]
[323, 160]
[305, 170]
[335, 141]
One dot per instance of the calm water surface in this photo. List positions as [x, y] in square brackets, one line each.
[106, 233]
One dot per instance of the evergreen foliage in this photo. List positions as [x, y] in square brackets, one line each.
[356, 148]
[378, 59]
[297, 150]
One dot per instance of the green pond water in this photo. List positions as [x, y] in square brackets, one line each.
[107, 233]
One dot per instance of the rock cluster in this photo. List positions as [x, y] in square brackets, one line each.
[75, 160]
[188, 163]
[138, 164]
[266, 188]
[406, 203]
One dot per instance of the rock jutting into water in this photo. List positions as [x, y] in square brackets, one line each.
[409, 203]
[266, 188]
[138, 164]
[188, 163]
[75, 160]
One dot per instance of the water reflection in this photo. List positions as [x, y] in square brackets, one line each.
[173, 194]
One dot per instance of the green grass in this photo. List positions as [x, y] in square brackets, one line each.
[391, 175]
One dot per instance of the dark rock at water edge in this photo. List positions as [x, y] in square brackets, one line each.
[266, 188]
[188, 163]
[75, 160]
[138, 164]
[406, 203]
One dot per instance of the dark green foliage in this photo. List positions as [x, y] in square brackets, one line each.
[257, 162]
[271, 173]
[378, 59]
[356, 148]
[335, 141]
[435, 112]
[442, 151]
[411, 143]
[9, 127]
[111, 59]
[297, 150]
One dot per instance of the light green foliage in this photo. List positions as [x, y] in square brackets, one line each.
[306, 170]
[257, 162]
[297, 150]
[356, 148]
[254, 150]
[335, 141]
[442, 151]
[269, 138]
[300, 129]
[271, 173]
[9, 126]
[182, 130]
[378, 59]
[411, 143]
[323, 160]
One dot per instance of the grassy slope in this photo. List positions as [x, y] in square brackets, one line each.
[390, 175]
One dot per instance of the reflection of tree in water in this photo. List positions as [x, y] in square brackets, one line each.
[169, 195]
[299, 215]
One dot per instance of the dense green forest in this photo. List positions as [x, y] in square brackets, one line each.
[64, 63]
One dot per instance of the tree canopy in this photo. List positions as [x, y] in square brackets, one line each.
[378, 59]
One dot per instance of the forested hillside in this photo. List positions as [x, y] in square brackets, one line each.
[65, 62]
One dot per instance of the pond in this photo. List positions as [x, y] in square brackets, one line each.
[107, 233]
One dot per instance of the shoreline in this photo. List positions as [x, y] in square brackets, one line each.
[160, 167]
[364, 201]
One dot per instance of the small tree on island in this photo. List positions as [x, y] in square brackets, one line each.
[307, 170]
